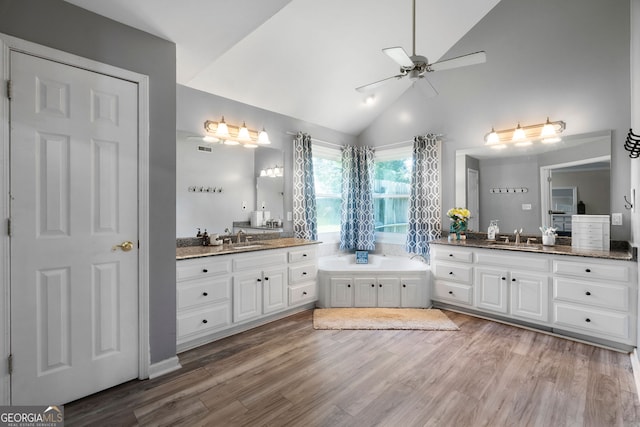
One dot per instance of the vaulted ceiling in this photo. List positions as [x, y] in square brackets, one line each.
[300, 58]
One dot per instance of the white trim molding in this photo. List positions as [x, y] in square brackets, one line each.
[164, 367]
[8, 44]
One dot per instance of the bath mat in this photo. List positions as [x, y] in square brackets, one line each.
[382, 318]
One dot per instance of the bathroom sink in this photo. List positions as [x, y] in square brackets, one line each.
[520, 246]
[252, 245]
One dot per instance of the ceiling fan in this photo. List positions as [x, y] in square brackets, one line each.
[416, 66]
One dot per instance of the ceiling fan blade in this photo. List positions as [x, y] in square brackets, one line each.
[425, 87]
[399, 55]
[459, 61]
[379, 83]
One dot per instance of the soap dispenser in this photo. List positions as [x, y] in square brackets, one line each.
[493, 229]
[205, 238]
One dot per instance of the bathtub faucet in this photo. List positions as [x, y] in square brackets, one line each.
[423, 259]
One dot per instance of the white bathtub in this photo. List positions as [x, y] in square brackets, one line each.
[346, 263]
[386, 281]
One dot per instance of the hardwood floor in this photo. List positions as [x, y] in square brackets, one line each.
[288, 374]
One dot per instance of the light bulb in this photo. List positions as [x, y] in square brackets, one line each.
[222, 131]
[493, 137]
[548, 130]
[263, 137]
[518, 134]
[243, 133]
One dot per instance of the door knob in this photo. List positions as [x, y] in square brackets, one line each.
[125, 246]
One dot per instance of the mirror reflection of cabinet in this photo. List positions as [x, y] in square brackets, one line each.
[563, 200]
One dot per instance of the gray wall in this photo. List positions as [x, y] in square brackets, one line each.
[62, 26]
[194, 107]
[568, 60]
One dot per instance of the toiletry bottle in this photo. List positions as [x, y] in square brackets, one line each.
[491, 231]
[205, 238]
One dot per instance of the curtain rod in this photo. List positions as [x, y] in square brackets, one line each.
[392, 144]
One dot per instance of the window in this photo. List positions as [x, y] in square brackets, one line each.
[327, 173]
[391, 190]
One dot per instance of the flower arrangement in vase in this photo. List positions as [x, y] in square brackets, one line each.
[459, 218]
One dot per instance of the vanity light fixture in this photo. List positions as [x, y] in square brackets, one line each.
[234, 135]
[274, 172]
[546, 133]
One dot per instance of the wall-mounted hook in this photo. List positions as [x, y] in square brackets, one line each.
[628, 204]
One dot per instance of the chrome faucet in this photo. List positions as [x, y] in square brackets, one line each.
[517, 233]
[240, 232]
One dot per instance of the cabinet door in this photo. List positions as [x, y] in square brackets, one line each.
[412, 292]
[274, 290]
[388, 292]
[366, 292]
[491, 289]
[247, 296]
[530, 296]
[341, 292]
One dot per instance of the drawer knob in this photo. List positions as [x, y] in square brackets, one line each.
[204, 270]
[451, 255]
[304, 273]
[451, 273]
[404, 286]
[380, 285]
[373, 286]
[587, 293]
[588, 270]
[204, 294]
[205, 321]
[266, 278]
[259, 280]
[587, 320]
[503, 278]
[304, 255]
[450, 292]
[513, 280]
[348, 286]
[304, 292]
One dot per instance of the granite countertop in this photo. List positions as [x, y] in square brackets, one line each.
[187, 252]
[615, 254]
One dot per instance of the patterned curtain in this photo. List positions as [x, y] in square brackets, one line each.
[357, 223]
[425, 222]
[304, 194]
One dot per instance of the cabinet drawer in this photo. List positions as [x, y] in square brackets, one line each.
[305, 292]
[532, 262]
[606, 323]
[611, 296]
[301, 273]
[203, 291]
[453, 272]
[453, 292]
[205, 320]
[251, 261]
[453, 254]
[619, 272]
[189, 269]
[302, 255]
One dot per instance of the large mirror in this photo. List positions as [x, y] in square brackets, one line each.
[217, 184]
[540, 184]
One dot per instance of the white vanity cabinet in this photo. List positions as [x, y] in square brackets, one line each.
[303, 276]
[596, 298]
[225, 294]
[588, 298]
[376, 292]
[203, 297]
[452, 271]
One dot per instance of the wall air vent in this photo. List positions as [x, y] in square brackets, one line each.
[204, 149]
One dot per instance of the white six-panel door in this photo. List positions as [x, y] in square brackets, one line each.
[73, 170]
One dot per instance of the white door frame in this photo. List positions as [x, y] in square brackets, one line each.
[545, 184]
[7, 44]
